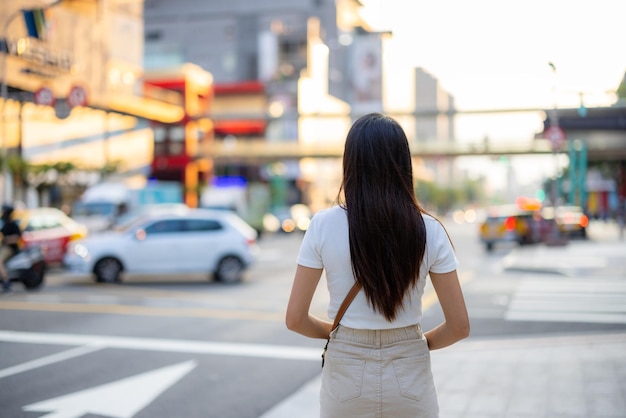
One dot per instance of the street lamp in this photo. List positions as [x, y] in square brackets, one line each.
[5, 93]
[556, 137]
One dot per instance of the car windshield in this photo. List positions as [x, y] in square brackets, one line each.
[241, 225]
[129, 218]
[129, 223]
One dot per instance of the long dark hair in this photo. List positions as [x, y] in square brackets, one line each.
[386, 228]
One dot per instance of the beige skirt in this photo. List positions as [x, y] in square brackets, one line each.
[378, 373]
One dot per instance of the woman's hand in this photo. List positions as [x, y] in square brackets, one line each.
[456, 325]
[298, 318]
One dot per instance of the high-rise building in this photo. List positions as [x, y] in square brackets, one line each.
[258, 54]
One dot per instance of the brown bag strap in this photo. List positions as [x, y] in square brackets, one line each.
[346, 302]
[342, 309]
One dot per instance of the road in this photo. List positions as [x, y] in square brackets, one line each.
[190, 347]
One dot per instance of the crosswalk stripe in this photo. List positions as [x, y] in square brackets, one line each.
[548, 299]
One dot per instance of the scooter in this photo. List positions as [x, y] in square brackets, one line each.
[27, 266]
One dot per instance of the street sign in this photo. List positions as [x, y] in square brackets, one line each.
[556, 135]
[61, 109]
[45, 97]
[77, 97]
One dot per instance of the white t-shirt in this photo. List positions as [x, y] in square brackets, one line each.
[326, 246]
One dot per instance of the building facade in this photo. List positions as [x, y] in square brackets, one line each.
[286, 71]
[73, 93]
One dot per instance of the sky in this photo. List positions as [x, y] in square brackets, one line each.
[493, 54]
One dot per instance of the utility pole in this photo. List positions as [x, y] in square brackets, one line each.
[556, 135]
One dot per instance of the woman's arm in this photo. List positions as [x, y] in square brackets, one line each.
[456, 324]
[298, 318]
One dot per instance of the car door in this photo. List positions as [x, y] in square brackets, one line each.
[205, 242]
[46, 231]
[155, 248]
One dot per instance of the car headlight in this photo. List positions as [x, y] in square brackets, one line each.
[79, 250]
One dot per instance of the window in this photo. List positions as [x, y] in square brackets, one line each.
[41, 222]
[177, 140]
[160, 136]
[197, 225]
[165, 226]
[153, 35]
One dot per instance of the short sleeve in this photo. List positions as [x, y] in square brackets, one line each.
[444, 260]
[309, 255]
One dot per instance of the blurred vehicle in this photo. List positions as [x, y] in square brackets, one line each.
[509, 223]
[288, 219]
[250, 201]
[50, 229]
[102, 204]
[27, 266]
[571, 220]
[191, 241]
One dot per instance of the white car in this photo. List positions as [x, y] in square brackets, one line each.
[190, 241]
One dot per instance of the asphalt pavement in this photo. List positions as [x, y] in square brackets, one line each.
[535, 376]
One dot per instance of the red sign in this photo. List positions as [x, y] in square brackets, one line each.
[77, 97]
[45, 97]
[556, 135]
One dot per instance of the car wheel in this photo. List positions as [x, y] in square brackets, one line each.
[229, 270]
[108, 270]
[34, 277]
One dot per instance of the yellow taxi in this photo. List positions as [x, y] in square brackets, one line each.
[510, 223]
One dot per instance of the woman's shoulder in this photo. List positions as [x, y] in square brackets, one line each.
[330, 213]
[432, 223]
[332, 216]
[429, 219]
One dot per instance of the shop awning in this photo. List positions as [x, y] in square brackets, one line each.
[145, 108]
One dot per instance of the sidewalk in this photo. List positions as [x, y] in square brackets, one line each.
[554, 376]
[603, 253]
[544, 377]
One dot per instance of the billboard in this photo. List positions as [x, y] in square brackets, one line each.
[367, 73]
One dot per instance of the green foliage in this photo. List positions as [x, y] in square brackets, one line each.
[444, 199]
[39, 175]
[621, 90]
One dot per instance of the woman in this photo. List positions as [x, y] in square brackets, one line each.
[378, 361]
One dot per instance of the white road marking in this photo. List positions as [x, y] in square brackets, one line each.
[180, 346]
[45, 361]
[303, 403]
[120, 399]
[550, 299]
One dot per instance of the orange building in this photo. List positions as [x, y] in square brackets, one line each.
[176, 144]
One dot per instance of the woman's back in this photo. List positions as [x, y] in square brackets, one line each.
[326, 246]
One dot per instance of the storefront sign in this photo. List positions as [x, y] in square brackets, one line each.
[40, 54]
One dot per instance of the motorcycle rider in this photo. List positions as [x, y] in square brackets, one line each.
[11, 234]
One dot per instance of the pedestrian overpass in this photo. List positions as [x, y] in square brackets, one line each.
[261, 151]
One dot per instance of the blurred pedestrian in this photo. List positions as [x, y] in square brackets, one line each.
[11, 235]
[379, 242]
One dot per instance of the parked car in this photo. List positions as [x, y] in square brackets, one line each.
[50, 229]
[571, 220]
[509, 223]
[191, 241]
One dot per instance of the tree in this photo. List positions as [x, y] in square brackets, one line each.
[63, 174]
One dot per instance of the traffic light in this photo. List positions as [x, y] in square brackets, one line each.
[540, 195]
